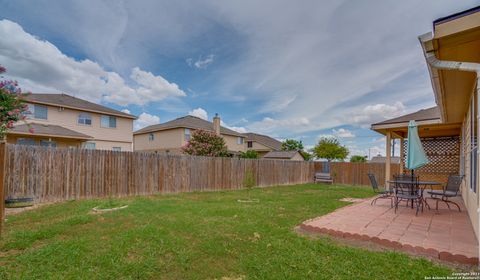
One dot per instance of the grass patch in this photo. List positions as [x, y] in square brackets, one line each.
[196, 236]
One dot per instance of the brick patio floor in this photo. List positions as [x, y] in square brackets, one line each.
[444, 234]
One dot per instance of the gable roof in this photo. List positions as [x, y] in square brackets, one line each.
[430, 114]
[187, 122]
[264, 140]
[48, 130]
[67, 101]
[282, 154]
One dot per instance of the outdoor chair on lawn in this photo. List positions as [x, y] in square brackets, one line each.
[386, 194]
[451, 190]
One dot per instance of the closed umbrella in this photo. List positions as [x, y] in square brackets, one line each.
[416, 157]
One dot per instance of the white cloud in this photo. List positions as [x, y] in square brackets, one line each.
[201, 63]
[40, 65]
[376, 113]
[268, 125]
[126, 111]
[343, 133]
[144, 120]
[239, 129]
[199, 113]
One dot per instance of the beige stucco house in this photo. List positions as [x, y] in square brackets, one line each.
[171, 136]
[262, 144]
[450, 130]
[61, 120]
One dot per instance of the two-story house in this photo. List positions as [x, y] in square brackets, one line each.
[171, 136]
[262, 144]
[61, 120]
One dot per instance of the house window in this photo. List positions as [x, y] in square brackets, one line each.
[89, 145]
[250, 144]
[36, 111]
[108, 121]
[187, 134]
[240, 140]
[151, 137]
[85, 118]
[26, 141]
[117, 149]
[48, 143]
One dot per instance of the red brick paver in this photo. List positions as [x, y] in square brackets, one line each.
[444, 234]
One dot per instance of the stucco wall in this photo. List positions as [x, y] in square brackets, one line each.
[174, 139]
[122, 135]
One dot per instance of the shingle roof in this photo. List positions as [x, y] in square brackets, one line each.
[281, 154]
[187, 122]
[48, 130]
[67, 101]
[264, 140]
[422, 115]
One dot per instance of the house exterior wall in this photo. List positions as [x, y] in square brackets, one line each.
[163, 140]
[259, 148]
[297, 157]
[104, 138]
[173, 139]
[60, 142]
[470, 194]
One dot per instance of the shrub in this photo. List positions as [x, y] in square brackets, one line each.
[206, 143]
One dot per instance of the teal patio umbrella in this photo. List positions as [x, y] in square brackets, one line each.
[416, 157]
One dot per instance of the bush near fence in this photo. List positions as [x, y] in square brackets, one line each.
[50, 174]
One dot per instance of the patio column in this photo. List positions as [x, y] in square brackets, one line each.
[401, 155]
[388, 154]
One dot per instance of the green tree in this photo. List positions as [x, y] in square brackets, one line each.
[292, 145]
[206, 143]
[249, 154]
[306, 155]
[357, 158]
[330, 149]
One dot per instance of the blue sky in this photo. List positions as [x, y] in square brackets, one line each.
[284, 68]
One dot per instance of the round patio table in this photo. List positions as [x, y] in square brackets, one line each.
[425, 184]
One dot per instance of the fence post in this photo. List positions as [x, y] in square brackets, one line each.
[3, 147]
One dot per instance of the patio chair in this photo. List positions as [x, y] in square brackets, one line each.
[410, 191]
[386, 194]
[451, 190]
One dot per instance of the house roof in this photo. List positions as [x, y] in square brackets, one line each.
[187, 122]
[382, 159]
[282, 154]
[432, 114]
[264, 140]
[67, 101]
[48, 130]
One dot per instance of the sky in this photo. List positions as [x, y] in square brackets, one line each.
[289, 69]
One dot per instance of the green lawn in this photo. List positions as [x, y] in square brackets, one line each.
[196, 236]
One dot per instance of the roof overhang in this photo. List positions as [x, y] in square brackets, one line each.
[425, 129]
[50, 135]
[449, 53]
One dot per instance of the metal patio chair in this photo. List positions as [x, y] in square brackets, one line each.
[381, 194]
[451, 190]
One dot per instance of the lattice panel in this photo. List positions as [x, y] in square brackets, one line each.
[443, 154]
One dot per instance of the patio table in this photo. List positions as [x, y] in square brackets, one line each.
[419, 183]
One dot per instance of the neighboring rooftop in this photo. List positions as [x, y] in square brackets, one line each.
[430, 114]
[382, 159]
[264, 140]
[47, 130]
[67, 101]
[187, 122]
[282, 154]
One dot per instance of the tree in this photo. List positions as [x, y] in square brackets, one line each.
[206, 143]
[12, 105]
[306, 155]
[357, 158]
[330, 149]
[292, 145]
[249, 154]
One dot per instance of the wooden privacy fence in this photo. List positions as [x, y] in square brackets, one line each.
[50, 174]
[353, 173]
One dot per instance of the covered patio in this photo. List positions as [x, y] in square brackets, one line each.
[444, 234]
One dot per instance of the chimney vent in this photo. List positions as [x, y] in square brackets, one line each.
[216, 124]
